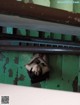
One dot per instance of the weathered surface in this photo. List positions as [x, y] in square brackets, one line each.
[13, 7]
[6, 62]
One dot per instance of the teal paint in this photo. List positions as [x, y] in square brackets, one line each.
[69, 70]
[2, 61]
[76, 9]
[34, 33]
[24, 58]
[63, 68]
[10, 65]
[22, 32]
[57, 36]
[9, 30]
[47, 35]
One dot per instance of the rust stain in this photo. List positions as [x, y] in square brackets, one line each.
[15, 81]
[10, 73]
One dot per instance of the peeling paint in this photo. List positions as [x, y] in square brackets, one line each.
[75, 84]
[10, 73]
[21, 78]
[16, 60]
[6, 62]
[1, 56]
[16, 79]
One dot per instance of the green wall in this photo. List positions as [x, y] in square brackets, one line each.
[76, 7]
[63, 72]
[63, 68]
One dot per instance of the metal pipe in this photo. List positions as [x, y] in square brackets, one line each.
[41, 49]
[24, 40]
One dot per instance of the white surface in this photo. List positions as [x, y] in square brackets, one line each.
[17, 22]
[32, 96]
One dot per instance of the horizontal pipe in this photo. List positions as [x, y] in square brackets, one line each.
[6, 39]
[36, 49]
